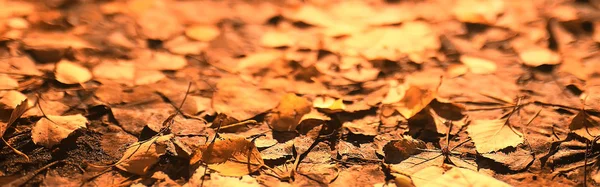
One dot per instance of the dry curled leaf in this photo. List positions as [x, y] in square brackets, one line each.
[230, 157]
[71, 73]
[287, 115]
[51, 130]
[141, 156]
[398, 150]
[8, 83]
[15, 114]
[493, 135]
[585, 125]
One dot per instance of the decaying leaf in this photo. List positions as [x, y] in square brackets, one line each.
[287, 115]
[425, 159]
[230, 157]
[15, 114]
[71, 73]
[398, 150]
[53, 129]
[493, 135]
[516, 160]
[585, 125]
[141, 156]
[366, 126]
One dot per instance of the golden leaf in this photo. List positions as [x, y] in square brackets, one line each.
[53, 129]
[71, 73]
[493, 135]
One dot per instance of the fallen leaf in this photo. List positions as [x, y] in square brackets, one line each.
[71, 73]
[115, 70]
[8, 83]
[141, 156]
[414, 100]
[478, 11]
[11, 99]
[203, 33]
[230, 157]
[51, 130]
[280, 150]
[425, 159]
[51, 47]
[367, 126]
[516, 160]
[15, 114]
[241, 100]
[478, 65]
[398, 150]
[584, 125]
[150, 60]
[158, 21]
[277, 39]
[537, 56]
[287, 115]
[329, 104]
[465, 177]
[424, 176]
[493, 135]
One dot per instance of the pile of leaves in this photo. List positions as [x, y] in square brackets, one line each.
[299, 93]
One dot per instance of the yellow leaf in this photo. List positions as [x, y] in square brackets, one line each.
[10, 99]
[140, 157]
[478, 11]
[160, 61]
[537, 56]
[287, 115]
[53, 129]
[71, 73]
[230, 157]
[329, 104]
[202, 33]
[493, 135]
[478, 65]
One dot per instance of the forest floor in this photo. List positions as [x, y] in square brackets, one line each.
[299, 93]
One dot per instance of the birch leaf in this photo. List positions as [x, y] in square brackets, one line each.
[493, 135]
[53, 129]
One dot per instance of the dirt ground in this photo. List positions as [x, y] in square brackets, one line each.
[299, 93]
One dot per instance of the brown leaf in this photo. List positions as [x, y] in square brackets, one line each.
[140, 157]
[516, 160]
[15, 114]
[71, 73]
[287, 115]
[241, 100]
[53, 129]
[398, 150]
[584, 125]
[367, 126]
[493, 135]
[230, 157]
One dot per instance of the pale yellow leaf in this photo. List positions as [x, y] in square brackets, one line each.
[71, 73]
[493, 135]
[203, 33]
[121, 70]
[537, 56]
[457, 177]
[276, 39]
[8, 83]
[53, 129]
[478, 65]
[329, 104]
